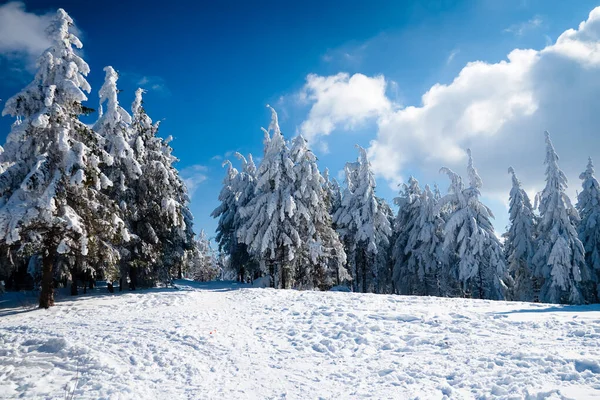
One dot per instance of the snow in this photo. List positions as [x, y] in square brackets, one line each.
[225, 340]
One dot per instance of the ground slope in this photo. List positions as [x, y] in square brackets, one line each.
[217, 342]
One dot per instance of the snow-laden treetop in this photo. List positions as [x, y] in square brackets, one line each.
[60, 78]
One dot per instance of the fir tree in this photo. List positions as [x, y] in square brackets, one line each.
[363, 225]
[160, 220]
[321, 264]
[237, 191]
[51, 193]
[519, 243]
[588, 205]
[559, 255]
[470, 240]
[270, 228]
[408, 277]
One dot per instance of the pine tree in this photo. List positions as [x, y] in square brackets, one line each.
[204, 266]
[237, 191]
[418, 251]
[470, 240]
[270, 228]
[588, 205]
[363, 225]
[519, 243]
[559, 255]
[51, 194]
[408, 277]
[321, 264]
[333, 192]
[160, 221]
[122, 169]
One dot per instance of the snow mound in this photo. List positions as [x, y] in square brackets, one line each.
[226, 341]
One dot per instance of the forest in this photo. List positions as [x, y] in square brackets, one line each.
[83, 202]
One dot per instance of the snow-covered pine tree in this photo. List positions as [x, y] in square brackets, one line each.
[519, 243]
[417, 250]
[122, 169]
[469, 237]
[204, 266]
[237, 191]
[160, 218]
[588, 205]
[333, 192]
[559, 258]
[322, 259]
[51, 202]
[384, 261]
[269, 227]
[429, 252]
[408, 276]
[363, 225]
[245, 186]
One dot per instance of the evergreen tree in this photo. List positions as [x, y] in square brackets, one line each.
[409, 278]
[51, 200]
[588, 205]
[333, 192]
[469, 238]
[559, 255]
[270, 228]
[519, 243]
[418, 248]
[160, 220]
[363, 225]
[321, 264]
[204, 266]
[122, 168]
[238, 189]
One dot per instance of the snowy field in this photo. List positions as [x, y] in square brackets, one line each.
[218, 342]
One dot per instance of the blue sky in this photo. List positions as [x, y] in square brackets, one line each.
[343, 73]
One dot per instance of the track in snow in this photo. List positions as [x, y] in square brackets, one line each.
[216, 342]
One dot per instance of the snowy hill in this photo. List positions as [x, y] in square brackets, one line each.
[217, 342]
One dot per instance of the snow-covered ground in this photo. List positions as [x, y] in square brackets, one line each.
[217, 342]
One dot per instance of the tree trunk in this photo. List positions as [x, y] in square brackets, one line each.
[74, 291]
[47, 292]
[364, 272]
[179, 272]
[132, 278]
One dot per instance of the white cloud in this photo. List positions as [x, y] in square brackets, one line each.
[522, 28]
[22, 33]
[500, 110]
[342, 101]
[193, 176]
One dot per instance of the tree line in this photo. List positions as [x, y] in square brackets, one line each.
[286, 220]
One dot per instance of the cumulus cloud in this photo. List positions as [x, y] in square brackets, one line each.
[500, 110]
[22, 34]
[193, 176]
[342, 101]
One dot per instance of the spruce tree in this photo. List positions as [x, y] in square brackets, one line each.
[238, 189]
[51, 194]
[476, 254]
[408, 276]
[160, 218]
[321, 264]
[559, 257]
[363, 225]
[588, 205]
[269, 227]
[519, 243]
